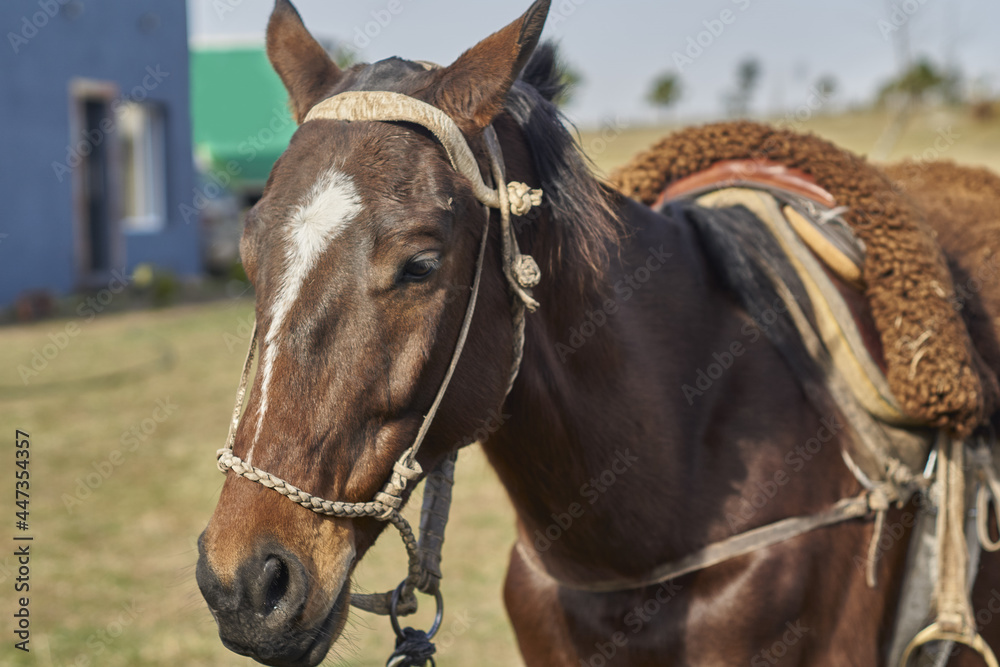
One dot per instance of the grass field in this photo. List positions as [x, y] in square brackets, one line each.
[963, 139]
[112, 577]
[124, 423]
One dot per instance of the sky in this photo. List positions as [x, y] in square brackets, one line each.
[620, 46]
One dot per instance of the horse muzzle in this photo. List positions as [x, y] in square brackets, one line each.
[269, 611]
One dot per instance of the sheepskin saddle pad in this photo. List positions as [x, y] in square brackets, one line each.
[910, 353]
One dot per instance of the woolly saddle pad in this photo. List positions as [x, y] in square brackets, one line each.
[933, 369]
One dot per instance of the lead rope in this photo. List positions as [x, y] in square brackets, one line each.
[413, 647]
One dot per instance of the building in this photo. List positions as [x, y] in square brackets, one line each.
[239, 108]
[94, 105]
[241, 124]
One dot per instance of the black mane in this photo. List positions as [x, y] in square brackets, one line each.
[737, 247]
[584, 227]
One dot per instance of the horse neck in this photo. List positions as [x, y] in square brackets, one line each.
[576, 435]
[601, 446]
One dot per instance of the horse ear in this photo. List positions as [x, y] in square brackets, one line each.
[474, 87]
[303, 65]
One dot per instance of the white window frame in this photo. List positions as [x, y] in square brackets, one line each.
[144, 173]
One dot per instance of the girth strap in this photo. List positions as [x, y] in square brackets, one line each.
[732, 547]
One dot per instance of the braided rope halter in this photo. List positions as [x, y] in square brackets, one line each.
[522, 274]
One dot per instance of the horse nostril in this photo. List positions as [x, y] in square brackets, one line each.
[276, 579]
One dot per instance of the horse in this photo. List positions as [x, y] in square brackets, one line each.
[362, 251]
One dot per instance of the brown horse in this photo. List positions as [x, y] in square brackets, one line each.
[364, 236]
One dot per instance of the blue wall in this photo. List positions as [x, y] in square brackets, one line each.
[109, 40]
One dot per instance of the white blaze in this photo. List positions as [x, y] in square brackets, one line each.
[330, 206]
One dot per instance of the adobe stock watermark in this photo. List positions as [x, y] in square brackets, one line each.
[793, 120]
[591, 491]
[985, 274]
[362, 36]
[94, 137]
[219, 179]
[936, 651]
[772, 655]
[635, 620]
[560, 11]
[815, 100]
[224, 7]
[457, 626]
[31, 25]
[624, 290]
[704, 39]
[705, 377]
[100, 642]
[986, 615]
[609, 132]
[87, 310]
[899, 15]
[763, 492]
[491, 424]
[131, 440]
[241, 338]
[944, 139]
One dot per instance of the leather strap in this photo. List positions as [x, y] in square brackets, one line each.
[719, 552]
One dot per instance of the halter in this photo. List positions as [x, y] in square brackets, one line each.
[522, 274]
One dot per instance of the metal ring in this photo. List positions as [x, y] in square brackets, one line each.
[438, 615]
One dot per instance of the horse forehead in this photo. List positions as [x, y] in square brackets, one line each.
[328, 208]
[335, 175]
[304, 221]
[330, 205]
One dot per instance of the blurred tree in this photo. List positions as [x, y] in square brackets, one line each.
[342, 53]
[665, 91]
[921, 80]
[748, 75]
[747, 78]
[914, 86]
[344, 57]
[827, 86]
[571, 80]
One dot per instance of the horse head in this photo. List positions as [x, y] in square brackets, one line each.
[362, 252]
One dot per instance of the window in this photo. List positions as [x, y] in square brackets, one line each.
[143, 166]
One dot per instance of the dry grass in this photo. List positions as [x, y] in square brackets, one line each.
[130, 544]
[962, 138]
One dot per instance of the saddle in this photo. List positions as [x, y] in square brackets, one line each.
[934, 371]
[853, 259]
[827, 257]
[812, 213]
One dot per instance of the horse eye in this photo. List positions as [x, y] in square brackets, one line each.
[420, 267]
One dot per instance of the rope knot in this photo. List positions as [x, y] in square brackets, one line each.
[878, 500]
[522, 198]
[388, 500]
[224, 459]
[404, 471]
[526, 271]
